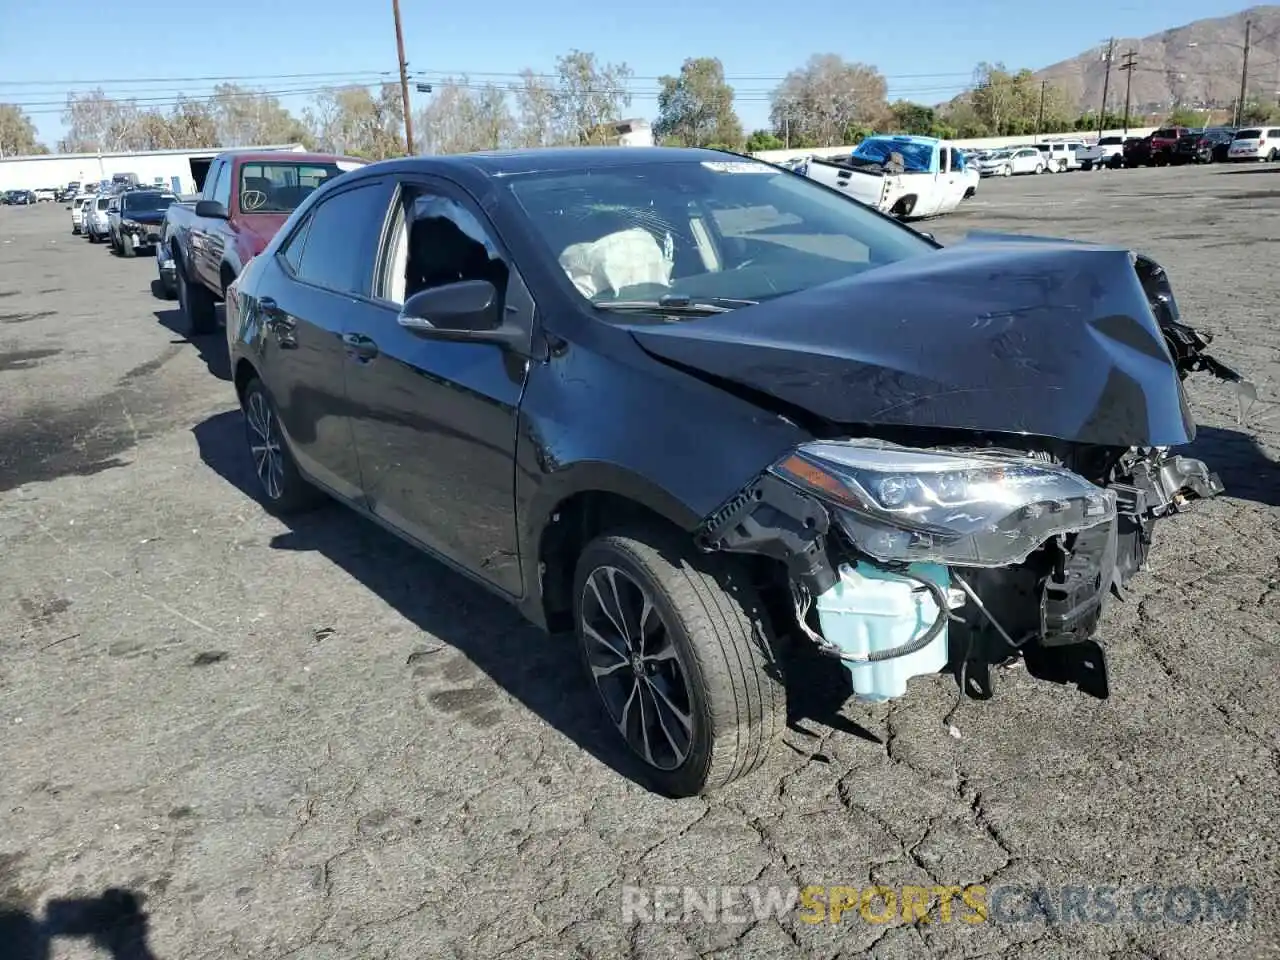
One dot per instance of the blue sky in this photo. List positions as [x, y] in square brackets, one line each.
[926, 49]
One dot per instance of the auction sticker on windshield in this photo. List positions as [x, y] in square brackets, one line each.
[737, 166]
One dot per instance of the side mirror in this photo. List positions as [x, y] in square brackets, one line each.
[211, 209]
[465, 307]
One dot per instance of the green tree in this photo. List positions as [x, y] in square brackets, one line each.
[695, 108]
[817, 103]
[1185, 117]
[763, 140]
[535, 112]
[1259, 113]
[245, 117]
[357, 121]
[1110, 121]
[589, 97]
[914, 118]
[463, 117]
[1016, 103]
[18, 133]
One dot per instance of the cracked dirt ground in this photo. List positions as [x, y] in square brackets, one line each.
[305, 740]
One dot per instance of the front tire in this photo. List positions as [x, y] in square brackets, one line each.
[127, 248]
[683, 660]
[197, 305]
[281, 488]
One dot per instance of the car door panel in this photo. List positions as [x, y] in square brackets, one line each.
[435, 421]
[305, 310]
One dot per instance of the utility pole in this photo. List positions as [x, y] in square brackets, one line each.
[1040, 119]
[1130, 62]
[1106, 86]
[1244, 76]
[404, 80]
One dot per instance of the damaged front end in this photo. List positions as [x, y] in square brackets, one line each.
[903, 560]
[966, 550]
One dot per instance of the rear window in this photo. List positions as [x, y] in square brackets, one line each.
[1110, 141]
[1272, 134]
[1165, 134]
[280, 186]
[1249, 135]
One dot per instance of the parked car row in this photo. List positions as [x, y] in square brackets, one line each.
[1166, 146]
[129, 218]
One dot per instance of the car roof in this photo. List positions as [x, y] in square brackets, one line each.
[288, 156]
[505, 163]
[906, 138]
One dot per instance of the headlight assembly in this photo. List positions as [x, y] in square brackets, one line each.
[910, 505]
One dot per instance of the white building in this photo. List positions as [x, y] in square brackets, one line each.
[626, 133]
[179, 170]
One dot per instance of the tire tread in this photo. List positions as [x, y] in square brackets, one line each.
[731, 641]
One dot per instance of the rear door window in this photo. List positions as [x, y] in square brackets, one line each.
[1249, 135]
[340, 243]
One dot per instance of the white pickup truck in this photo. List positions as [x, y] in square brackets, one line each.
[905, 176]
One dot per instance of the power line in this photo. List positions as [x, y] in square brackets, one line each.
[236, 78]
[404, 80]
[1129, 65]
[1244, 75]
[1106, 84]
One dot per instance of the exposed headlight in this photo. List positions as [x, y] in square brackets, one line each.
[905, 504]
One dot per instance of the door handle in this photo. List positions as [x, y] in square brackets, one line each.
[360, 348]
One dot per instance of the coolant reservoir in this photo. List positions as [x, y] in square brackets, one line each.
[870, 609]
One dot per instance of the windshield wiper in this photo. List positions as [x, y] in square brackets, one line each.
[677, 303]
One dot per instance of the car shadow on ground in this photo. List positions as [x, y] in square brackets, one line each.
[113, 923]
[1246, 471]
[212, 347]
[543, 672]
[1267, 169]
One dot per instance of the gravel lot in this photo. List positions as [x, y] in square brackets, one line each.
[305, 740]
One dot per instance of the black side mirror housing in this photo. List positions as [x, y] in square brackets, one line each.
[211, 209]
[465, 307]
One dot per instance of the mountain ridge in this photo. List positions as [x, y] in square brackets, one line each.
[1196, 65]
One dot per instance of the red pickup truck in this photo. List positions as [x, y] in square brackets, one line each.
[1163, 142]
[245, 199]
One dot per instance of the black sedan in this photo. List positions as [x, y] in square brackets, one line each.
[20, 198]
[690, 405]
[1203, 146]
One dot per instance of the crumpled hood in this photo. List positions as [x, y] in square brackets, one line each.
[1055, 339]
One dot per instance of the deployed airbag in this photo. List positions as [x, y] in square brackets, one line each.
[615, 261]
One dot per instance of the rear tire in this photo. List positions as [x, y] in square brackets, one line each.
[694, 666]
[281, 488]
[197, 305]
